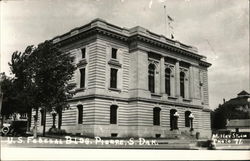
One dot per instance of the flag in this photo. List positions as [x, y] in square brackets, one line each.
[172, 36]
[170, 18]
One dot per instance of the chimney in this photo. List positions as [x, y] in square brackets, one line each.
[224, 100]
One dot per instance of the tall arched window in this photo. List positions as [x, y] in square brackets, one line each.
[187, 120]
[80, 113]
[173, 119]
[151, 78]
[113, 114]
[156, 116]
[182, 84]
[167, 81]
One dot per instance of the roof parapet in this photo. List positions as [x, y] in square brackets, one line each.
[138, 30]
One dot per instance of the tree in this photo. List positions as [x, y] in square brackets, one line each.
[41, 79]
[17, 90]
[51, 71]
[23, 86]
[230, 110]
[9, 102]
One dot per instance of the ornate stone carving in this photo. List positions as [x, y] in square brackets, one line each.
[156, 63]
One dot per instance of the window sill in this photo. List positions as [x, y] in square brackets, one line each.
[82, 62]
[174, 129]
[187, 100]
[80, 89]
[155, 95]
[71, 85]
[114, 62]
[115, 89]
[172, 97]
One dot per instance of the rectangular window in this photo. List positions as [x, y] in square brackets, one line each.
[80, 113]
[82, 81]
[83, 53]
[113, 78]
[156, 116]
[114, 53]
[113, 114]
[42, 117]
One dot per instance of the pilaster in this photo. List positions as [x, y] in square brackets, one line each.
[139, 74]
[177, 78]
[191, 82]
[162, 75]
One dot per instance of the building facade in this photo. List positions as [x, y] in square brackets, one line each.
[133, 83]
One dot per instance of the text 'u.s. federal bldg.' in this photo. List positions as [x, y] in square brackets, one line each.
[133, 83]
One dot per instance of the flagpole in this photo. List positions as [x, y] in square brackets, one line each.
[165, 17]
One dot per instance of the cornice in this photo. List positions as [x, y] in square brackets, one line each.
[101, 27]
[165, 45]
[133, 99]
[204, 64]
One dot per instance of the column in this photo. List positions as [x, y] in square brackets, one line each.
[177, 79]
[162, 70]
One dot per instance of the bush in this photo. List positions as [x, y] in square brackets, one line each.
[56, 131]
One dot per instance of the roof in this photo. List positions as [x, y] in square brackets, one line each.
[241, 100]
[239, 123]
[102, 27]
[238, 101]
[243, 93]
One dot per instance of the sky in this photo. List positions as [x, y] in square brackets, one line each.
[218, 28]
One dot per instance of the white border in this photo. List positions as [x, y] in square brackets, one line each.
[119, 154]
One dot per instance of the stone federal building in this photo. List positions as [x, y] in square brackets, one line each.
[133, 83]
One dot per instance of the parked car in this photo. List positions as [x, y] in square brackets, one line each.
[15, 128]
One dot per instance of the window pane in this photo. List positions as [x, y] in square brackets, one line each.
[182, 86]
[187, 121]
[83, 52]
[173, 120]
[113, 78]
[82, 81]
[113, 114]
[42, 117]
[59, 119]
[151, 78]
[167, 81]
[114, 53]
[80, 113]
[156, 116]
